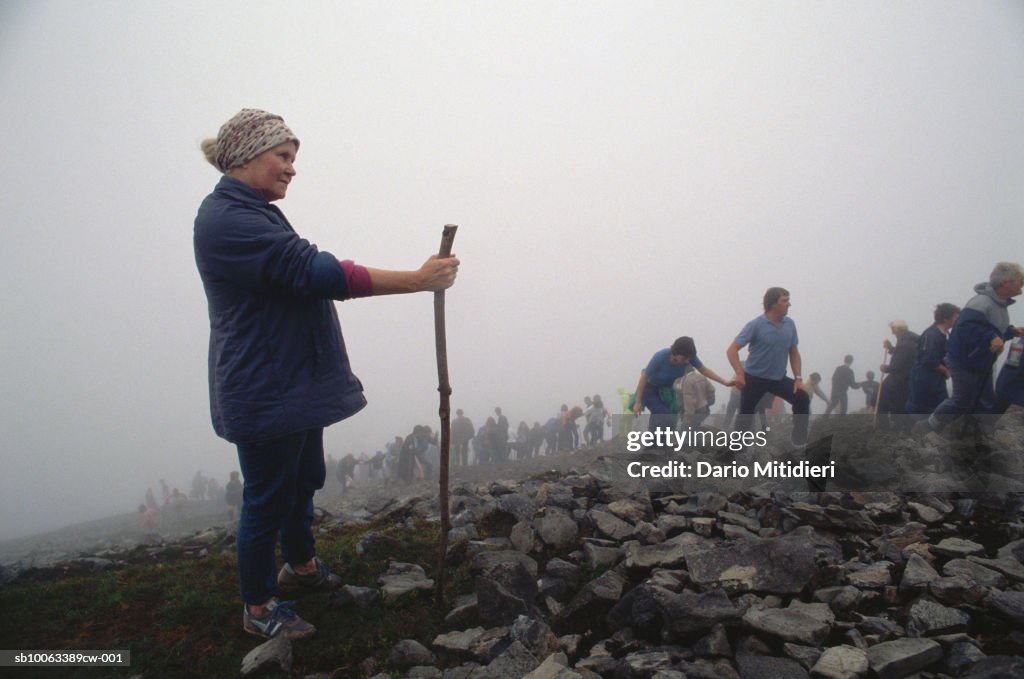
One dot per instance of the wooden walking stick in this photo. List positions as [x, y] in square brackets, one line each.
[447, 238]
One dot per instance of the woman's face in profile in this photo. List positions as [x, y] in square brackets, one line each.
[271, 171]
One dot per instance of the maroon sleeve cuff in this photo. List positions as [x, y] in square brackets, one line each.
[359, 283]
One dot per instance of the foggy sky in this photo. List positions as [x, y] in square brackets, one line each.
[621, 173]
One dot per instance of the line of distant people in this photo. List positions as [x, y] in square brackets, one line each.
[173, 502]
[416, 456]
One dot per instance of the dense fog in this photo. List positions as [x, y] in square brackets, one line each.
[621, 174]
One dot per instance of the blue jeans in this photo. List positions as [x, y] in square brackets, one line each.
[281, 475]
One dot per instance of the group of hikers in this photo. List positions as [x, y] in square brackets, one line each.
[961, 346]
[416, 456]
[166, 513]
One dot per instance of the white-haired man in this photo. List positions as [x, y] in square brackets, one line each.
[975, 342]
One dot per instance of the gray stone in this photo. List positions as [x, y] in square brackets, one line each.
[515, 661]
[839, 599]
[689, 614]
[556, 530]
[957, 590]
[957, 547]
[590, 606]
[763, 565]
[457, 641]
[505, 591]
[1009, 605]
[350, 595]
[649, 534]
[872, 576]
[670, 579]
[961, 657]
[926, 618]
[788, 624]
[611, 526]
[1008, 566]
[409, 652]
[917, 574]
[998, 667]
[535, 635]
[631, 511]
[465, 610]
[485, 561]
[768, 667]
[599, 556]
[276, 652]
[402, 578]
[522, 537]
[805, 655]
[902, 657]
[672, 525]
[841, 662]
[732, 518]
[641, 559]
[555, 666]
[703, 525]
[644, 664]
[925, 513]
[375, 542]
[986, 577]
[715, 643]
[642, 609]
[490, 644]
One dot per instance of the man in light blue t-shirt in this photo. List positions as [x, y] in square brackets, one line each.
[771, 340]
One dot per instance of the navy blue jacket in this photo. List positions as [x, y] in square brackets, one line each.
[278, 363]
[983, 318]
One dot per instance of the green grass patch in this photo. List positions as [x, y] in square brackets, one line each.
[183, 618]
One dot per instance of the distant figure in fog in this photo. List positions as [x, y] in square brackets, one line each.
[813, 388]
[213, 490]
[536, 439]
[870, 388]
[499, 437]
[198, 492]
[892, 398]
[483, 442]
[345, 472]
[147, 518]
[150, 500]
[595, 418]
[551, 430]
[927, 383]
[842, 381]
[233, 495]
[461, 433]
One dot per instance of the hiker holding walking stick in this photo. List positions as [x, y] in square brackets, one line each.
[975, 342]
[278, 368]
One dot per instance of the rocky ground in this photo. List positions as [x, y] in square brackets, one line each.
[576, 574]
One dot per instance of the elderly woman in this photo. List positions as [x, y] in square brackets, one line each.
[278, 369]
